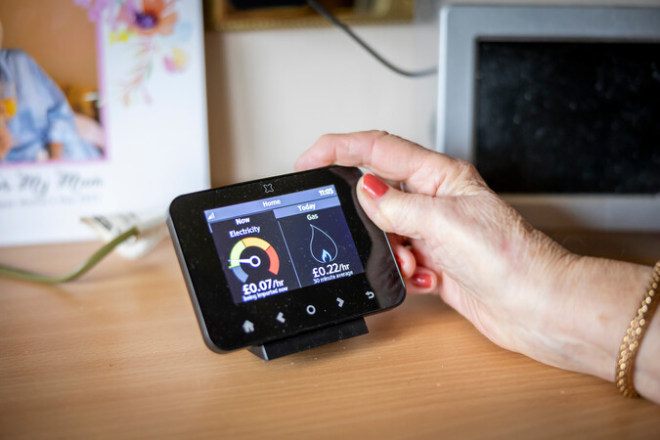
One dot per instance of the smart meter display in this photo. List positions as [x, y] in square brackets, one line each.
[279, 244]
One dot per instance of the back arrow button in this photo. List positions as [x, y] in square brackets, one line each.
[340, 302]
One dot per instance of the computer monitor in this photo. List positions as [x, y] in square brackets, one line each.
[558, 108]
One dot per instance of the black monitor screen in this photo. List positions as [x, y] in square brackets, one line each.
[568, 117]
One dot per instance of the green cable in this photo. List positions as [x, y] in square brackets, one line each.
[25, 275]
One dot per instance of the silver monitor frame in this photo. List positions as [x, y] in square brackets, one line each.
[462, 26]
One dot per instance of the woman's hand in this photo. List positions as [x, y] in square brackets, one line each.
[455, 237]
[466, 244]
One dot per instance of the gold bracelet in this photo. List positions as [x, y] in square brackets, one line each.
[625, 365]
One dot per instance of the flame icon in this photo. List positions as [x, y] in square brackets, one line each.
[322, 247]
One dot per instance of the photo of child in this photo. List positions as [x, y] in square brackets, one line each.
[37, 123]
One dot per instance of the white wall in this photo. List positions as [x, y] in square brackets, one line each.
[273, 93]
[282, 89]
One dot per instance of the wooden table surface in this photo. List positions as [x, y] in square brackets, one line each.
[119, 354]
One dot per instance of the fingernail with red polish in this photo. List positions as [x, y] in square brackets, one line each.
[422, 280]
[373, 186]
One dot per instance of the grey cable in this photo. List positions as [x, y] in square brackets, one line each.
[331, 18]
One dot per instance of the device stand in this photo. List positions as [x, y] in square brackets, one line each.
[314, 338]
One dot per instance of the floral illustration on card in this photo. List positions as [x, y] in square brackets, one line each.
[151, 34]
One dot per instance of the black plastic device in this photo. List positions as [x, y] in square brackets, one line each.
[283, 264]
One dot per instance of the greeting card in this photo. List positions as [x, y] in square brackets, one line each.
[144, 143]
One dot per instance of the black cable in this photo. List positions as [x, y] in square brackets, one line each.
[331, 18]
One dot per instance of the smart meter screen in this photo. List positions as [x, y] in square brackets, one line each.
[276, 245]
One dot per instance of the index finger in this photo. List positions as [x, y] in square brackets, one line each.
[391, 157]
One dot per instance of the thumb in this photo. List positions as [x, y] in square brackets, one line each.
[393, 210]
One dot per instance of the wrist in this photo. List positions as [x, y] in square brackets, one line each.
[597, 299]
[646, 376]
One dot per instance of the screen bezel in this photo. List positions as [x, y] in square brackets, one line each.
[221, 319]
[462, 27]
